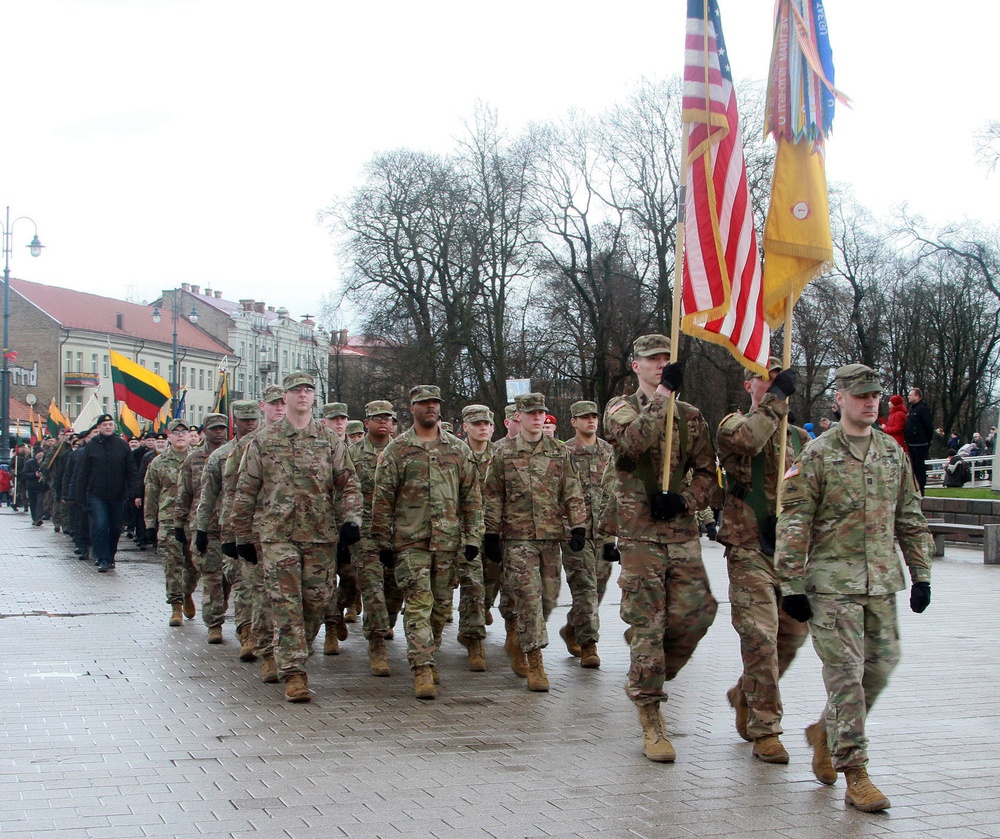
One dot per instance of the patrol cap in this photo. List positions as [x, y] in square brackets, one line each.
[332, 410]
[273, 394]
[355, 427]
[528, 402]
[378, 407]
[246, 409]
[773, 366]
[425, 393]
[298, 379]
[447, 426]
[647, 345]
[477, 413]
[177, 423]
[857, 380]
[215, 420]
[583, 408]
[509, 411]
[103, 418]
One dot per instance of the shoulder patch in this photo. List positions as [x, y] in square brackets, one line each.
[793, 470]
[622, 411]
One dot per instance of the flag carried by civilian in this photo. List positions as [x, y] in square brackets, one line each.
[35, 436]
[88, 416]
[142, 390]
[800, 103]
[179, 411]
[721, 288]
[221, 405]
[56, 422]
[161, 419]
[128, 423]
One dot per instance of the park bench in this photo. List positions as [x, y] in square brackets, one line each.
[939, 529]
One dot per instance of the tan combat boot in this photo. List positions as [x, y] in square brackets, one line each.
[738, 701]
[297, 688]
[378, 663]
[215, 635]
[518, 662]
[822, 762]
[861, 793]
[423, 683]
[176, 618]
[769, 749]
[568, 634]
[537, 680]
[655, 744]
[246, 643]
[268, 670]
[589, 656]
[489, 618]
[477, 655]
[189, 611]
[435, 676]
[331, 643]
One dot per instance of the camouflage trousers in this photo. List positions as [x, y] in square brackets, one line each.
[380, 595]
[534, 574]
[667, 601]
[472, 597]
[253, 592]
[178, 569]
[857, 639]
[236, 575]
[769, 639]
[298, 577]
[424, 578]
[344, 592]
[214, 586]
[604, 570]
[495, 582]
[581, 577]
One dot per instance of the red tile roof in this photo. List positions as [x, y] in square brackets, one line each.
[93, 313]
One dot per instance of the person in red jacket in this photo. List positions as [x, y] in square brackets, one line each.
[5, 485]
[896, 422]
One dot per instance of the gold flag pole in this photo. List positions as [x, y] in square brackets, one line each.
[786, 363]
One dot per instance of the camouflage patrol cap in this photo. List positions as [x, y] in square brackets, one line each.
[773, 366]
[509, 411]
[477, 413]
[213, 420]
[447, 426]
[298, 379]
[647, 345]
[355, 427]
[177, 423]
[528, 402]
[857, 380]
[246, 409]
[583, 408]
[273, 394]
[332, 410]
[379, 407]
[425, 393]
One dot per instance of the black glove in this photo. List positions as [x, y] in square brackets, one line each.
[350, 533]
[201, 541]
[343, 554]
[491, 548]
[180, 535]
[672, 377]
[387, 558]
[247, 552]
[151, 536]
[920, 596]
[471, 552]
[229, 549]
[783, 385]
[797, 606]
[767, 535]
[577, 539]
[611, 553]
[665, 506]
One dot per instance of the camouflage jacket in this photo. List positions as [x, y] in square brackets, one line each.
[590, 462]
[163, 478]
[841, 515]
[482, 461]
[304, 481]
[635, 429]
[209, 511]
[741, 438]
[532, 491]
[426, 495]
[365, 458]
[230, 477]
[189, 491]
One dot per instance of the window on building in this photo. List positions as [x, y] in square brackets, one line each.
[284, 361]
[69, 407]
[69, 362]
[209, 379]
[142, 362]
[104, 405]
[243, 349]
[170, 372]
[79, 362]
[156, 367]
[241, 382]
[79, 405]
[201, 378]
[93, 364]
[106, 373]
[201, 414]
[184, 376]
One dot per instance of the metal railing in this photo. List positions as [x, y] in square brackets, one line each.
[981, 465]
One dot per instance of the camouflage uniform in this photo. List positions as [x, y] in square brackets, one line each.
[162, 486]
[532, 493]
[769, 638]
[495, 573]
[584, 569]
[305, 483]
[207, 519]
[666, 598]
[426, 501]
[841, 514]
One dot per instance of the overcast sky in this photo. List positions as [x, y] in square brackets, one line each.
[173, 141]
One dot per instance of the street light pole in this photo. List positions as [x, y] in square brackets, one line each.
[36, 250]
[174, 314]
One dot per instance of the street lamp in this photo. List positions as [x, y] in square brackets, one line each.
[174, 314]
[36, 250]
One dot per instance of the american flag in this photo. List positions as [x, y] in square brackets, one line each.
[722, 293]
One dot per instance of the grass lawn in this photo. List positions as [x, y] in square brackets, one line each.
[964, 492]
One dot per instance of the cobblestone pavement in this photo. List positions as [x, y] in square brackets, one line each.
[116, 725]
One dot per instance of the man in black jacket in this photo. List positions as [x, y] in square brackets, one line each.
[918, 433]
[105, 476]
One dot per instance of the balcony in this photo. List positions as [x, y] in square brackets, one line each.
[268, 367]
[81, 380]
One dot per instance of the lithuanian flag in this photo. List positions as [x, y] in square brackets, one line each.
[143, 391]
[128, 423]
[56, 421]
